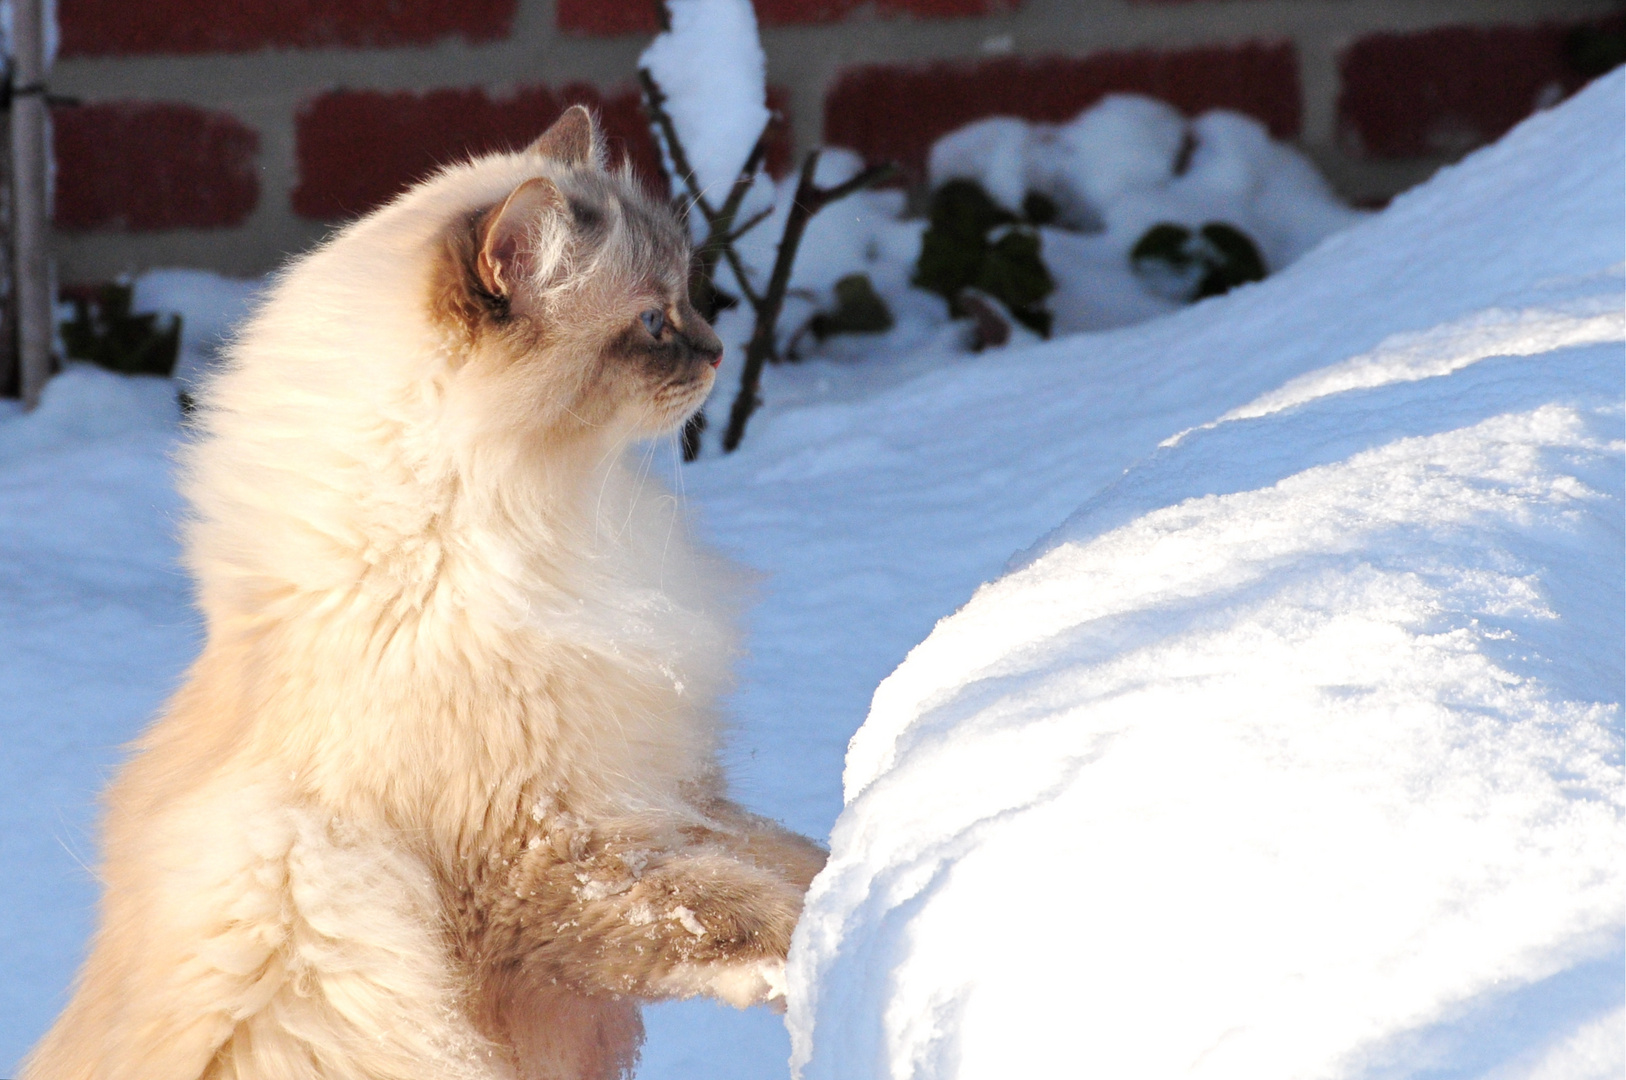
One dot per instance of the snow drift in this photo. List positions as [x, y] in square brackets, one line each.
[1295, 752]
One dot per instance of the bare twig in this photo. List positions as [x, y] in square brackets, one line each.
[809, 200]
[655, 103]
[720, 231]
[720, 234]
[737, 264]
[750, 223]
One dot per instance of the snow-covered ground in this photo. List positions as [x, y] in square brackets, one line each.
[1289, 747]
[1296, 750]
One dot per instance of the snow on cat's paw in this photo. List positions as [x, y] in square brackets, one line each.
[744, 985]
[759, 982]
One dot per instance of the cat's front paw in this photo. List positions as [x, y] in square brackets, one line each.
[740, 984]
[744, 985]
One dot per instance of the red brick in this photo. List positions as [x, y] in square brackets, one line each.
[611, 17]
[793, 12]
[896, 112]
[142, 166]
[606, 18]
[356, 149]
[780, 142]
[122, 28]
[1449, 89]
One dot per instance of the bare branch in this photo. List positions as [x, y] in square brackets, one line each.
[809, 200]
[747, 175]
[655, 102]
[875, 174]
[750, 223]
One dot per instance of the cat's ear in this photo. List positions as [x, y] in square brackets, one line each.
[573, 140]
[511, 234]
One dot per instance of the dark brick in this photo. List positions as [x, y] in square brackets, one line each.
[1447, 90]
[358, 148]
[781, 144]
[123, 28]
[611, 17]
[897, 112]
[142, 166]
[606, 18]
[792, 12]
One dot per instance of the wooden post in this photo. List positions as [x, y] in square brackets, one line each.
[10, 377]
[30, 158]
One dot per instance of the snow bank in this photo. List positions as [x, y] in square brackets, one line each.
[711, 67]
[1126, 164]
[1129, 162]
[1296, 751]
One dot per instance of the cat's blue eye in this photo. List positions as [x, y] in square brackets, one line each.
[654, 321]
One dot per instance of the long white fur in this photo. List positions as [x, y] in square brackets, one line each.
[401, 600]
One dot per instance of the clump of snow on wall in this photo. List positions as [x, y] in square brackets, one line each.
[711, 67]
[1295, 752]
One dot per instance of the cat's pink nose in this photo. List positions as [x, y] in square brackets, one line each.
[717, 361]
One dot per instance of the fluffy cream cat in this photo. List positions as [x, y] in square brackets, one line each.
[439, 798]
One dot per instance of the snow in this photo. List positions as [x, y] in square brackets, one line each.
[97, 626]
[711, 67]
[1118, 168]
[1130, 162]
[1284, 738]
[209, 306]
[1296, 750]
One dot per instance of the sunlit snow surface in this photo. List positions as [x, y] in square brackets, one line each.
[1290, 747]
[1296, 751]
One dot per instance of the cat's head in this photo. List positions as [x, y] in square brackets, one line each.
[570, 296]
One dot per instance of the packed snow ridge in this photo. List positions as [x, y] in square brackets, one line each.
[1296, 751]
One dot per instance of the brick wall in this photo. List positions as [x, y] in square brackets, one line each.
[228, 136]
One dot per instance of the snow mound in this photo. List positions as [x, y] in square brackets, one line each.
[1296, 751]
[1130, 162]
